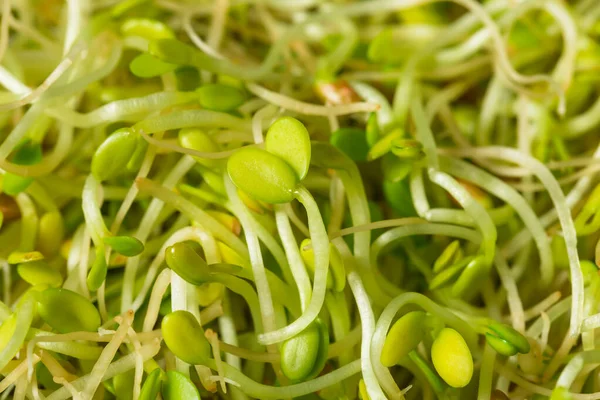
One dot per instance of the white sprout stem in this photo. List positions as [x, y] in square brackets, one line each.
[461, 195]
[158, 291]
[403, 93]
[179, 297]
[139, 363]
[217, 26]
[293, 255]
[478, 11]
[101, 366]
[91, 199]
[387, 316]
[133, 191]
[229, 336]
[320, 243]
[267, 239]
[569, 233]
[120, 366]
[197, 40]
[474, 209]
[515, 304]
[494, 95]
[6, 17]
[543, 306]
[503, 191]
[574, 367]
[575, 195]
[267, 392]
[74, 279]
[6, 281]
[553, 313]
[298, 223]
[385, 115]
[188, 233]
[16, 373]
[120, 110]
[367, 322]
[258, 269]
[191, 118]
[487, 373]
[265, 113]
[301, 107]
[31, 115]
[29, 222]
[49, 81]
[417, 192]
[564, 69]
[12, 83]
[145, 227]
[74, 23]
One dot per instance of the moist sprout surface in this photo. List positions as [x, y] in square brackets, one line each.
[299, 199]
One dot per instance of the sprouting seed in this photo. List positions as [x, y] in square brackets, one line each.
[262, 175]
[125, 245]
[304, 355]
[67, 311]
[452, 358]
[288, 139]
[147, 66]
[403, 337]
[40, 273]
[18, 257]
[197, 139]
[97, 274]
[184, 260]
[150, 29]
[220, 97]
[184, 336]
[111, 158]
[51, 233]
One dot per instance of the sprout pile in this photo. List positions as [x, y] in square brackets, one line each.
[299, 199]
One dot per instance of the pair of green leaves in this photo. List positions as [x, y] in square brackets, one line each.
[184, 336]
[506, 340]
[272, 175]
[124, 245]
[303, 356]
[188, 264]
[450, 354]
[39, 273]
